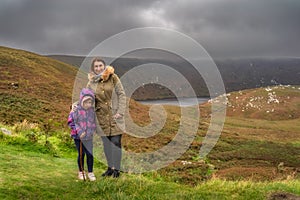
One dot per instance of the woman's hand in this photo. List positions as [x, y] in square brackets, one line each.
[117, 116]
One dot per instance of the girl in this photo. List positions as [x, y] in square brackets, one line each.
[81, 120]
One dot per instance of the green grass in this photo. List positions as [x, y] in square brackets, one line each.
[28, 174]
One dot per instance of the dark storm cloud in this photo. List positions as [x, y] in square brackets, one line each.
[63, 26]
[223, 27]
[240, 27]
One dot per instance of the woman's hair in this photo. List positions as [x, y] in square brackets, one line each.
[97, 59]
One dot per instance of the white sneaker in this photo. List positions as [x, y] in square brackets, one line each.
[91, 176]
[81, 176]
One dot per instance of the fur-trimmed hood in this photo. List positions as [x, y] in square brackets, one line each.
[109, 70]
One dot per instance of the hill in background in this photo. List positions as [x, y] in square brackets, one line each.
[237, 74]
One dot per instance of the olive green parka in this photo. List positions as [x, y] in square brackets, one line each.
[109, 99]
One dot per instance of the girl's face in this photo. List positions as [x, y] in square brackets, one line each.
[87, 104]
[98, 67]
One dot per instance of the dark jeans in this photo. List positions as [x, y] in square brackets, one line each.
[87, 149]
[113, 150]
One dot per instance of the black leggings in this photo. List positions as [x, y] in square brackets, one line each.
[113, 150]
[87, 149]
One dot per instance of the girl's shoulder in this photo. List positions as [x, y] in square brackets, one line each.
[92, 85]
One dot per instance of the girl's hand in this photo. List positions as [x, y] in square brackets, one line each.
[82, 135]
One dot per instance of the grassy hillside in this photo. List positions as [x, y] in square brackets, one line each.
[258, 143]
[33, 87]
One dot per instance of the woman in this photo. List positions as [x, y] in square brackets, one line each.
[110, 103]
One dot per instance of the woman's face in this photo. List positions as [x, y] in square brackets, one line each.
[98, 67]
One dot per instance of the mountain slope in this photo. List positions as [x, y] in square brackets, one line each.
[33, 87]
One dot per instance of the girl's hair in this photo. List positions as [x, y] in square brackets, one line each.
[97, 59]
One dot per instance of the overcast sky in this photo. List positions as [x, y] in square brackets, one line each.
[225, 28]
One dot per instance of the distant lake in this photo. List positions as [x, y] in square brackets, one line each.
[183, 101]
